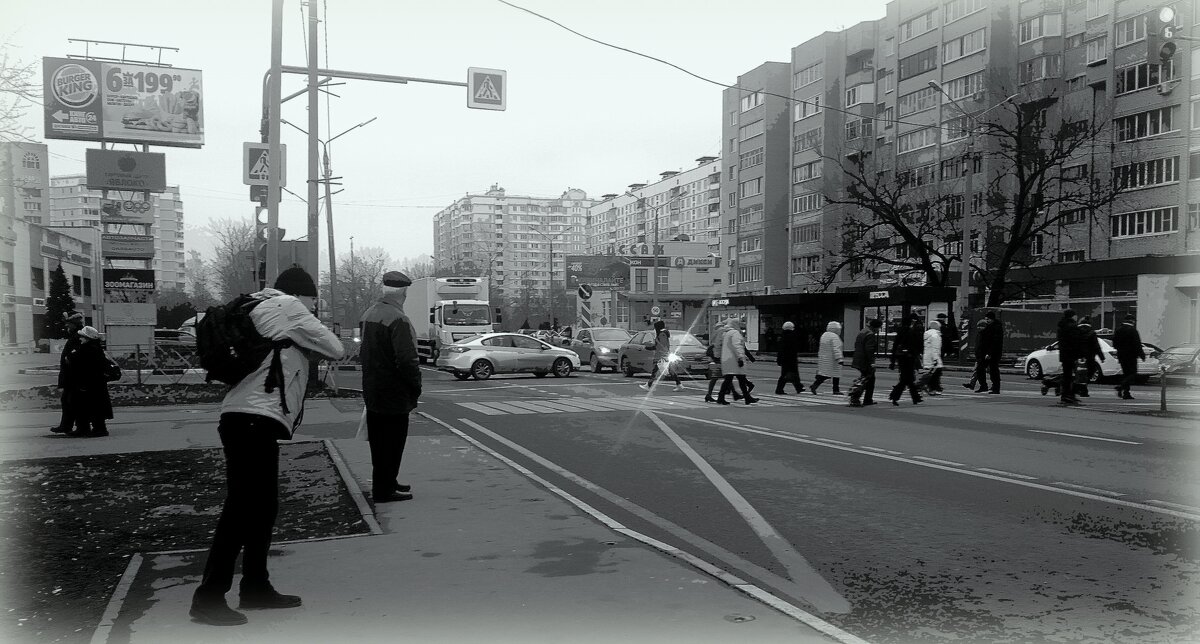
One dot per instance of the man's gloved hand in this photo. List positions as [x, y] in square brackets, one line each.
[741, 363]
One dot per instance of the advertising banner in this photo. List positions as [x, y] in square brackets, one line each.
[694, 262]
[117, 211]
[118, 314]
[121, 102]
[129, 297]
[126, 170]
[127, 246]
[597, 271]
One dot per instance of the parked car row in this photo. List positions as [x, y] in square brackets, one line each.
[1045, 362]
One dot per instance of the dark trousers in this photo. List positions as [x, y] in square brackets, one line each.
[868, 375]
[789, 373]
[654, 373]
[251, 503]
[935, 380]
[712, 384]
[908, 379]
[1068, 379]
[727, 386]
[1128, 375]
[68, 413]
[819, 379]
[387, 434]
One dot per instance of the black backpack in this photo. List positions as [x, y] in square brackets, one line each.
[231, 348]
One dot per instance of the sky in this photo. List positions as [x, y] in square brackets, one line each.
[579, 114]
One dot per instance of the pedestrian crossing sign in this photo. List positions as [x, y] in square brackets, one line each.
[256, 164]
[486, 88]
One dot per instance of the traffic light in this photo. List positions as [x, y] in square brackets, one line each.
[1160, 35]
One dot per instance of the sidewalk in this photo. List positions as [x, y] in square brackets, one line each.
[481, 554]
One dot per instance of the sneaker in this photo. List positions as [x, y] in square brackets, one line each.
[401, 487]
[678, 388]
[391, 496]
[1127, 397]
[267, 598]
[644, 386]
[215, 612]
[968, 385]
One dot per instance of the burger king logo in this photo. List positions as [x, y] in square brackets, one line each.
[74, 85]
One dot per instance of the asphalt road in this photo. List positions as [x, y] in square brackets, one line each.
[970, 516]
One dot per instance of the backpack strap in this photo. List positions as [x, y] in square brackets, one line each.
[275, 373]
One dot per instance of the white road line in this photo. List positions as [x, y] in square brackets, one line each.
[938, 460]
[1188, 515]
[880, 449]
[512, 409]
[1093, 490]
[1007, 473]
[481, 409]
[830, 630]
[1185, 508]
[113, 609]
[535, 407]
[1094, 438]
[830, 440]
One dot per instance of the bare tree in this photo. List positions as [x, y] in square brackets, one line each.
[233, 268]
[359, 283]
[196, 272]
[19, 88]
[417, 267]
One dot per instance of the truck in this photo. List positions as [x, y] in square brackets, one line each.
[444, 310]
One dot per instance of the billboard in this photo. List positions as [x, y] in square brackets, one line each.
[597, 271]
[127, 246]
[128, 211]
[129, 297]
[126, 170]
[91, 100]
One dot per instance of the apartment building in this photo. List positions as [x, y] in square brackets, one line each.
[73, 204]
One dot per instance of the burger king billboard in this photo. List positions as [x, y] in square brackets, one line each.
[91, 100]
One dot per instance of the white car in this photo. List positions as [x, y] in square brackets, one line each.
[1044, 362]
[482, 355]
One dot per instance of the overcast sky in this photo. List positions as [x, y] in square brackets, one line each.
[579, 114]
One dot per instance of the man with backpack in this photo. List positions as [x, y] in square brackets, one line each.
[259, 344]
[391, 385]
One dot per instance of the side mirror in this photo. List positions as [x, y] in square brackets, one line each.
[544, 347]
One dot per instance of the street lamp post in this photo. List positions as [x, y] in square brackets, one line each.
[969, 198]
[550, 240]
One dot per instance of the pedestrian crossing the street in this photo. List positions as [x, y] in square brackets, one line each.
[593, 404]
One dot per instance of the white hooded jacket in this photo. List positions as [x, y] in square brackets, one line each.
[282, 317]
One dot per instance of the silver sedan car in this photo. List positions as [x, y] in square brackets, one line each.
[483, 355]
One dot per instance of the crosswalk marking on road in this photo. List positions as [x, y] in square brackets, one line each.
[585, 404]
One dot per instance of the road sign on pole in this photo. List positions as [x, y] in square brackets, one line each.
[256, 164]
[487, 89]
[585, 292]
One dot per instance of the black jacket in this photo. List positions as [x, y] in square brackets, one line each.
[86, 386]
[388, 354]
[787, 349]
[1091, 345]
[1128, 343]
[866, 343]
[70, 347]
[991, 340]
[910, 343]
[1069, 341]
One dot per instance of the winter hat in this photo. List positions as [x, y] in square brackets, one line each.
[90, 333]
[396, 279]
[1131, 318]
[941, 316]
[295, 281]
[788, 326]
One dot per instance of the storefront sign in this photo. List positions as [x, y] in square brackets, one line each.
[133, 279]
[74, 258]
[878, 295]
[127, 246]
[641, 262]
[91, 100]
[126, 170]
[129, 297]
[721, 302]
[598, 271]
[117, 211]
[694, 262]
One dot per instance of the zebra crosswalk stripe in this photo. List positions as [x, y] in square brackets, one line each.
[586, 404]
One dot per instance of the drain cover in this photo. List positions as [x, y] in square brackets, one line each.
[738, 619]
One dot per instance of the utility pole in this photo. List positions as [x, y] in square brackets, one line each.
[329, 230]
[353, 280]
[313, 256]
[274, 101]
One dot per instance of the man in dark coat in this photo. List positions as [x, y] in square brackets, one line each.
[74, 322]
[1069, 351]
[391, 385]
[786, 356]
[1128, 343]
[949, 336]
[906, 351]
[866, 343]
[991, 346]
[86, 386]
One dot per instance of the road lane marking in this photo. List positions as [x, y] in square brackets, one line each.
[877, 449]
[800, 615]
[1093, 490]
[481, 408]
[830, 440]
[1185, 508]
[1094, 438]
[505, 407]
[938, 460]
[821, 593]
[1006, 473]
[1187, 515]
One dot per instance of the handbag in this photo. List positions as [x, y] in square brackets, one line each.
[112, 371]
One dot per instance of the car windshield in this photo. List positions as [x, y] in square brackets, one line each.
[465, 314]
[679, 339]
[1179, 351]
[610, 335]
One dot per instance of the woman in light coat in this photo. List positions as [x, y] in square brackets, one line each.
[733, 363]
[829, 358]
[931, 359]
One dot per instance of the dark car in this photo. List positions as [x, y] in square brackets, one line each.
[1181, 358]
[599, 346]
[687, 353]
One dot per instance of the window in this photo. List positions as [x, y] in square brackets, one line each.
[1075, 172]
[958, 8]
[918, 63]
[1039, 68]
[750, 131]
[1145, 124]
[750, 244]
[806, 233]
[921, 24]
[1097, 50]
[965, 46]
[751, 188]
[806, 264]
[6, 273]
[1130, 31]
[862, 93]
[751, 273]
[888, 116]
[918, 176]
[749, 159]
[87, 287]
[76, 285]
[958, 167]
[808, 107]
[750, 216]
[1144, 174]
[1076, 216]
[732, 199]
[964, 86]
[1146, 75]
[1196, 114]
[886, 82]
[38, 277]
[641, 279]
[916, 140]
[918, 101]
[31, 161]
[1194, 216]
[32, 206]
[1073, 41]
[807, 76]
[889, 46]
[858, 128]
[1145, 222]
[1037, 245]
[1076, 84]
[1097, 8]
[751, 101]
[956, 129]
[1071, 256]
[662, 276]
[807, 140]
[806, 202]
[1194, 165]
[1040, 27]
[806, 171]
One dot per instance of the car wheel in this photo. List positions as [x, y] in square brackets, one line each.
[481, 370]
[626, 367]
[595, 363]
[561, 368]
[1034, 370]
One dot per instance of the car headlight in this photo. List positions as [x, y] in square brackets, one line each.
[603, 350]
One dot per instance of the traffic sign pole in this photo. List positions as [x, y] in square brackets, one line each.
[274, 95]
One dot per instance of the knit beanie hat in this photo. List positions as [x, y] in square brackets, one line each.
[295, 281]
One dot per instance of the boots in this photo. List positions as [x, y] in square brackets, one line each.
[837, 391]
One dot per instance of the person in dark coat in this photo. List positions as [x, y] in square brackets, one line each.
[991, 346]
[787, 357]
[1128, 343]
[87, 387]
[74, 322]
[1091, 351]
[906, 351]
[1069, 351]
[391, 384]
[950, 336]
[866, 343]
